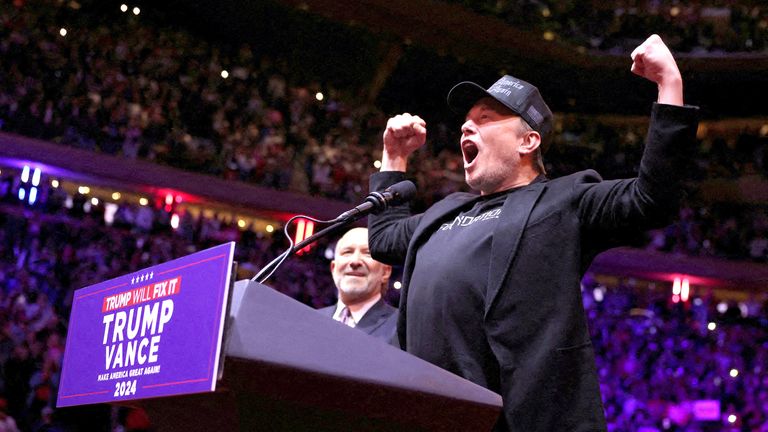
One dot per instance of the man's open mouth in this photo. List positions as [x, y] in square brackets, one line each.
[470, 152]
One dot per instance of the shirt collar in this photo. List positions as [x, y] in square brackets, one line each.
[360, 310]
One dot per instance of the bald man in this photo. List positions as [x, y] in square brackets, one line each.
[361, 282]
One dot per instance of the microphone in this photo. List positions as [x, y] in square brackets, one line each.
[377, 202]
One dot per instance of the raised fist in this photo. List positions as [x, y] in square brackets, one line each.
[653, 60]
[404, 134]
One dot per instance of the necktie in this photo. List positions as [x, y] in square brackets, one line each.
[346, 317]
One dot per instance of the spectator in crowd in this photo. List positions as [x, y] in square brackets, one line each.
[7, 423]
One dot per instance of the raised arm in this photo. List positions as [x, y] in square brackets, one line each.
[653, 196]
[653, 60]
[404, 134]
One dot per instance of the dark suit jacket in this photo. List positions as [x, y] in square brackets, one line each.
[379, 321]
[547, 236]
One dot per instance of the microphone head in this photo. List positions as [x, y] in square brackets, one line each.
[403, 191]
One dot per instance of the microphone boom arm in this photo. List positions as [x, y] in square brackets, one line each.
[374, 203]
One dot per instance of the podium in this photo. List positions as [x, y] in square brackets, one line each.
[278, 365]
[289, 368]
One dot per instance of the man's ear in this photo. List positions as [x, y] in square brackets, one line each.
[531, 141]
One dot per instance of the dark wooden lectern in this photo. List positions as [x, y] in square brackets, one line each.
[289, 368]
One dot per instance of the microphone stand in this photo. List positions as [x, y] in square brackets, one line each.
[337, 225]
[320, 234]
[395, 194]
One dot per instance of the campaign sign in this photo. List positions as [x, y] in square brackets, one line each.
[157, 332]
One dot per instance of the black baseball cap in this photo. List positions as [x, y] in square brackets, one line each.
[521, 97]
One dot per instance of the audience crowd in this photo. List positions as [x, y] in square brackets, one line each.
[143, 91]
[726, 231]
[160, 94]
[661, 363]
[656, 359]
[699, 27]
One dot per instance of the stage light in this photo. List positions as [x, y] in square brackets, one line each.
[143, 201]
[674, 11]
[224, 74]
[178, 199]
[241, 223]
[36, 177]
[722, 307]
[22, 194]
[32, 195]
[732, 418]
[123, 7]
[168, 199]
[545, 12]
[597, 293]
[109, 213]
[549, 36]
[116, 196]
[743, 309]
[319, 96]
[55, 183]
[25, 174]
[310, 229]
[304, 229]
[734, 373]
[63, 32]
[377, 164]
[136, 10]
[711, 326]
[685, 290]
[269, 228]
[397, 285]
[95, 201]
[83, 190]
[175, 221]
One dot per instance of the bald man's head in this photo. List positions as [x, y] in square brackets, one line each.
[357, 276]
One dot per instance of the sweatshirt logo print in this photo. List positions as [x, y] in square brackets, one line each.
[464, 221]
